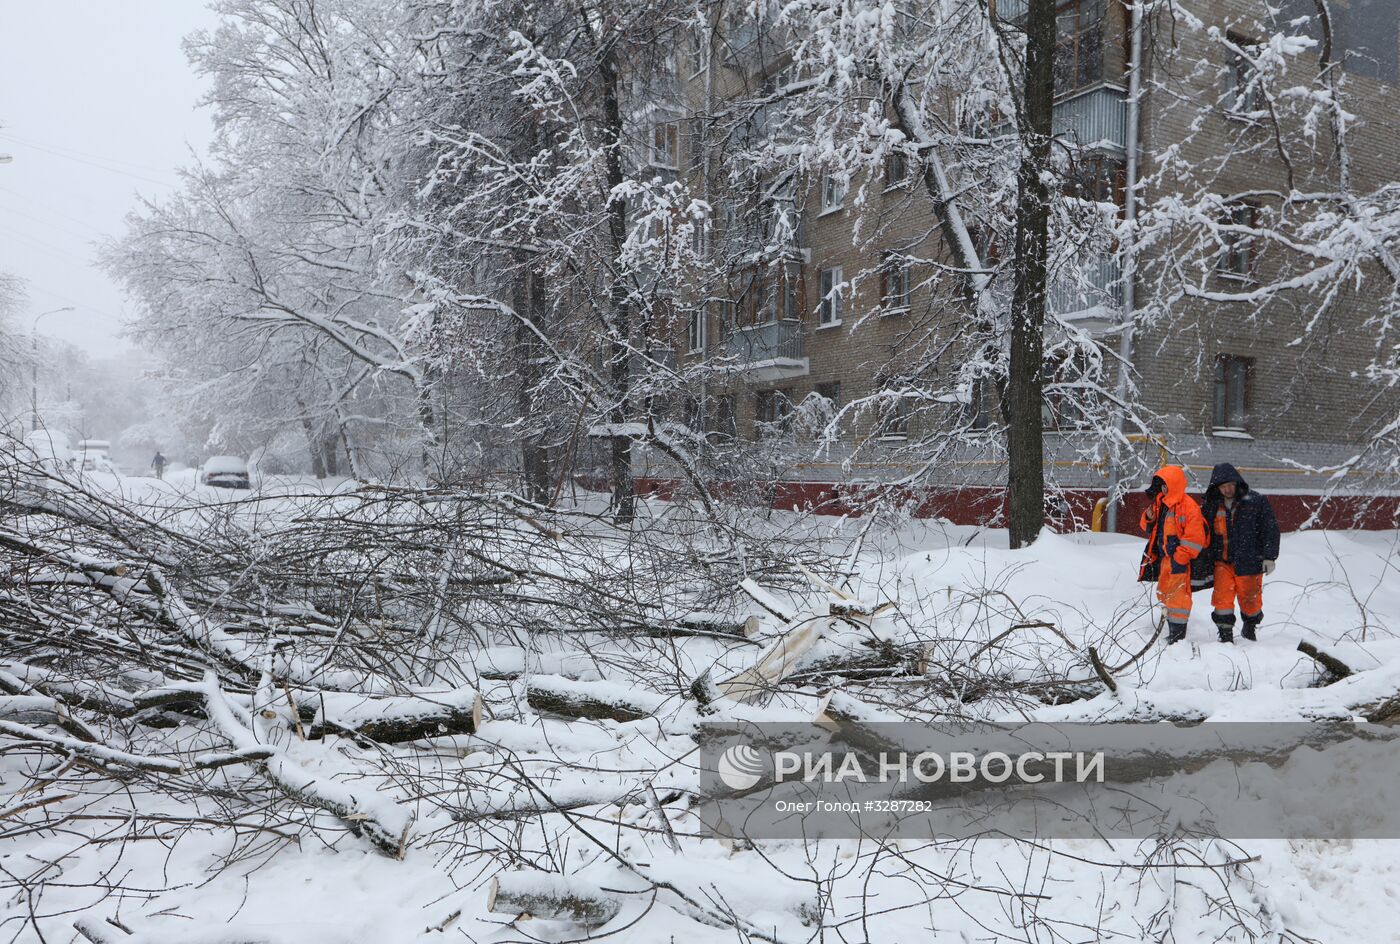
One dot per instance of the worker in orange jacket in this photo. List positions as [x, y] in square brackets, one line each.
[1176, 534]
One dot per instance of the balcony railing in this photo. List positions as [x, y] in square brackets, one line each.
[1091, 287]
[1095, 117]
[773, 341]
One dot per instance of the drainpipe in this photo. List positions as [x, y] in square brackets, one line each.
[1125, 337]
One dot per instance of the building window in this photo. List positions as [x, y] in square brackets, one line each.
[728, 317]
[772, 408]
[894, 284]
[723, 425]
[827, 405]
[896, 169]
[1063, 403]
[1097, 179]
[833, 192]
[1232, 382]
[695, 133]
[1244, 85]
[1079, 29]
[892, 418]
[767, 304]
[666, 144]
[1237, 248]
[697, 52]
[699, 332]
[981, 404]
[729, 226]
[829, 311]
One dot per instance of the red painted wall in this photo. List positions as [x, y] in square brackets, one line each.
[983, 505]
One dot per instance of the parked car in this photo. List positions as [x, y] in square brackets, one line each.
[225, 472]
[51, 449]
[94, 455]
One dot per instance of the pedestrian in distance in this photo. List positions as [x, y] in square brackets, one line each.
[1176, 535]
[158, 463]
[1244, 543]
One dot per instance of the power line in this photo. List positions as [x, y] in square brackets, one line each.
[110, 170]
[11, 136]
[50, 208]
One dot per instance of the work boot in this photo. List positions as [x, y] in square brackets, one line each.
[1176, 632]
[1250, 623]
[1224, 625]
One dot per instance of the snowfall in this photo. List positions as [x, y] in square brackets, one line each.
[180, 882]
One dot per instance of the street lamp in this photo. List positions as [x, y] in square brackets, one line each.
[34, 365]
[6, 158]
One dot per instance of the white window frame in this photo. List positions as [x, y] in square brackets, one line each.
[895, 268]
[698, 333]
[697, 52]
[666, 136]
[833, 193]
[896, 183]
[1244, 77]
[829, 306]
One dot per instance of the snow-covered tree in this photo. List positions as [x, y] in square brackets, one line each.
[937, 90]
[264, 281]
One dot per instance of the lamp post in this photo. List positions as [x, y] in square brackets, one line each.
[34, 364]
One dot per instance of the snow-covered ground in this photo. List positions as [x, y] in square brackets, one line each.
[173, 877]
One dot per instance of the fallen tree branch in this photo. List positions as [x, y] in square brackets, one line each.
[381, 821]
[1335, 667]
[551, 897]
[1101, 672]
[568, 698]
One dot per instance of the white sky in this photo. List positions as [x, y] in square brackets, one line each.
[97, 104]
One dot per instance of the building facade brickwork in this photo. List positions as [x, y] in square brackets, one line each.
[1273, 387]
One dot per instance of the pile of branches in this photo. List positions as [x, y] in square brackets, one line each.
[355, 664]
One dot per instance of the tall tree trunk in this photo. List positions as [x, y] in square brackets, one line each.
[1025, 386]
[530, 309]
[313, 443]
[329, 461]
[624, 497]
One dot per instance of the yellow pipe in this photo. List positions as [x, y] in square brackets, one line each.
[1096, 523]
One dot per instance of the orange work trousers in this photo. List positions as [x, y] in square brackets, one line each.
[1174, 590]
[1229, 586]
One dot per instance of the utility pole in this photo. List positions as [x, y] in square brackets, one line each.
[34, 365]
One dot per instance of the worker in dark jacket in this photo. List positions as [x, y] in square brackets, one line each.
[1244, 546]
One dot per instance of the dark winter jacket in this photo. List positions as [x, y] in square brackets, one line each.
[1251, 531]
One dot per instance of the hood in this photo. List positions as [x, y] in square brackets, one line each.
[1174, 478]
[1225, 472]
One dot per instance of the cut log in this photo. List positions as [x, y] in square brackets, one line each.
[392, 719]
[858, 722]
[776, 662]
[710, 624]
[551, 897]
[1334, 666]
[597, 701]
[385, 719]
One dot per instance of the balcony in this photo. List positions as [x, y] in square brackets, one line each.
[1096, 119]
[1088, 294]
[774, 350]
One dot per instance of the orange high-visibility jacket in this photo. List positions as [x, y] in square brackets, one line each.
[1179, 533]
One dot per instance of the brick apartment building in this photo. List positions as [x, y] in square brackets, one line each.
[1226, 382]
